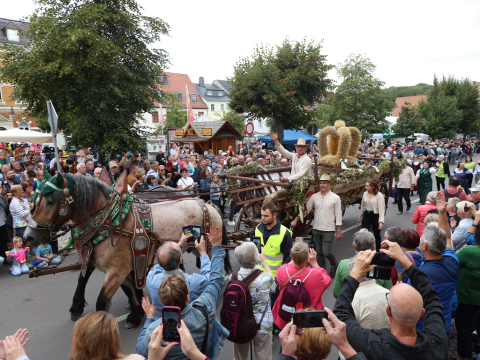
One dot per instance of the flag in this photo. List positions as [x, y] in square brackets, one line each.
[189, 109]
[161, 112]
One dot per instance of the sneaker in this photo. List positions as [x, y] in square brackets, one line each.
[399, 213]
[333, 271]
[231, 223]
[408, 209]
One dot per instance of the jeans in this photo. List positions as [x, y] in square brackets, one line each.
[323, 243]
[466, 322]
[233, 209]
[403, 193]
[440, 181]
[371, 219]
[18, 270]
[20, 231]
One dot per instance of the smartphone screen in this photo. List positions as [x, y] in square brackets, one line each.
[187, 230]
[382, 259]
[258, 243]
[196, 229]
[309, 319]
[170, 320]
[380, 273]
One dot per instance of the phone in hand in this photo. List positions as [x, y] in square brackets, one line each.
[381, 259]
[187, 230]
[309, 241]
[309, 319]
[381, 273]
[171, 318]
[196, 231]
[258, 243]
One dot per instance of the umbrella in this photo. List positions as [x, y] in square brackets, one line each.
[18, 135]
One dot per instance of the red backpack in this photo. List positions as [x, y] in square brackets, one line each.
[295, 295]
[237, 312]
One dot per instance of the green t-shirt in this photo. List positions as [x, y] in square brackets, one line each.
[343, 272]
[469, 165]
[441, 171]
[468, 288]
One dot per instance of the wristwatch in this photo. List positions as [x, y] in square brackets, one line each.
[474, 225]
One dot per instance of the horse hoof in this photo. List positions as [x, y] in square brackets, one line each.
[131, 325]
[76, 315]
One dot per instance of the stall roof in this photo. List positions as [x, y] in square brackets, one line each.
[219, 129]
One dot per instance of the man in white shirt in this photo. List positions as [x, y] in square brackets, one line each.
[54, 160]
[153, 171]
[301, 163]
[406, 183]
[327, 223]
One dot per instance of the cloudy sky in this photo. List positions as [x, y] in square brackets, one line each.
[408, 41]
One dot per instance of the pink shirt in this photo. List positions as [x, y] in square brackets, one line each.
[316, 284]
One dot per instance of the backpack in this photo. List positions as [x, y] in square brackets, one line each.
[237, 312]
[294, 294]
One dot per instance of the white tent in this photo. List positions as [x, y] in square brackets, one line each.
[18, 135]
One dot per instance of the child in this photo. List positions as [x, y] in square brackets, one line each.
[19, 265]
[151, 181]
[215, 198]
[3, 158]
[44, 256]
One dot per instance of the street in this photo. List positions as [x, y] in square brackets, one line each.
[41, 305]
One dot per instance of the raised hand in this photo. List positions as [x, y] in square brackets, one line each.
[274, 136]
[150, 310]
[441, 203]
[215, 236]
[312, 257]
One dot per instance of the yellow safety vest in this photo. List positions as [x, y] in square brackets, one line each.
[272, 249]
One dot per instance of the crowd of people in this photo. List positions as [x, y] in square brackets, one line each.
[431, 283]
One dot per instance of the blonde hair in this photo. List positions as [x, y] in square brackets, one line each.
[313, 344]
[15, 188]
[2, 152]
[299, 253]
[17, 239]
[173, 291]
[139, 173]
[96, 337]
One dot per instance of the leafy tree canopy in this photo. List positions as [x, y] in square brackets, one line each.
[401, 91]
[359, 99]
[408, 122]
[238, 121]
[281, 83]
[93, 59]
[176, 116]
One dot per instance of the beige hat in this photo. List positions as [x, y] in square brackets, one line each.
[112, 164]
[301, 142]
[325, 177]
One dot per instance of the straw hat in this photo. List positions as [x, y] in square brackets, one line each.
[325, 177]
[301, 142]
[112, 164]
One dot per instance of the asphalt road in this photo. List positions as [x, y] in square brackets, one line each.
[41, 305]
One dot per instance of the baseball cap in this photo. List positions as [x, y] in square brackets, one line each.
[182, 156]
[476, 188]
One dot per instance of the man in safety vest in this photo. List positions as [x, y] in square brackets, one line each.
[275, 238]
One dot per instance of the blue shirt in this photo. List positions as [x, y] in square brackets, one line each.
[43, 251]
[444, 274]
[198, 282]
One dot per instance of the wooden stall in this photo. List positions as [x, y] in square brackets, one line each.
[205, 135]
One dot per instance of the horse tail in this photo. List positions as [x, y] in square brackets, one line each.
[227, 265]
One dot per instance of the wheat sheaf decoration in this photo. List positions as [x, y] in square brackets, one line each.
[338, 142]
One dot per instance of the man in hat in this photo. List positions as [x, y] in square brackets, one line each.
[72, 157]
[301, 163]
[113, 166]
[327, 223]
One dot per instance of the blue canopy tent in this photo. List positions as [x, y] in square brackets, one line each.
[290, 138]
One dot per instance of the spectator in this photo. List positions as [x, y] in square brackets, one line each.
[146, 166]
[169, 259]
[90, 164]
[315, 279]
[174, 291]
[160, 157]
[452, 209]
[462, 173]
[460, 229]
[214, 188]
[196, 174]
[405, 184]
[260, 290]
[412, 241]
[96, 336]
[151, 182]
[191, 165]
[469, 165]
[185, 182]
[313, 344]
[372, 210]
[405, 308]
[453, 190]
[20, 210]
[422, 211]
[44, 255]
[82, 168]
[205, 182]
[139, 184]
[97, 172]
[18, 266]
[153, 171]
[362, 240]
[11, 347]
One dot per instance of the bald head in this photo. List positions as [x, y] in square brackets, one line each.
[406, 305]
[169, 256]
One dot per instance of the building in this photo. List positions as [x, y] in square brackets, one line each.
[400, 101]
[177, 84]
[215, 97]
[11, 110]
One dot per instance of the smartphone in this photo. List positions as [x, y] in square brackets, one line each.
[196, 230]
[171, 317]
[187, 230]
[380, 273]
[309, 241]
[382, 259]
[309, 319]
[258, 243]
[130, 153]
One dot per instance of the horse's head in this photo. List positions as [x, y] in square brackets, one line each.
[52, 207]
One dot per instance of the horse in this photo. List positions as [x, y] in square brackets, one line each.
[51, 211]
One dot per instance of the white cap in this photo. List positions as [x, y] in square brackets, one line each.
[476, 188]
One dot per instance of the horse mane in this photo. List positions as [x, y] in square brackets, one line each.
[87, 188]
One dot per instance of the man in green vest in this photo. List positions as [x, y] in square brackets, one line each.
[276, 239]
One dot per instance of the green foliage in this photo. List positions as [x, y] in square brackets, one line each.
[401, 91]
[325, 115]
[408, 122]
[280, 83]
[176, 116]
[359, 100]
[238, 121]
[94, 59]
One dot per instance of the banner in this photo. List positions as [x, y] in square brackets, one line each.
[161, 112]
[189, 109]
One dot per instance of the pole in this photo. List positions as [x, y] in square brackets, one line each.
[186, 101]
[54, 136]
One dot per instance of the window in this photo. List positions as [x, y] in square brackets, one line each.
[180, 97]
[155, 117]
[212, 107]
[23, 126]
[164, 80]
[193, 98]
[12, 35]
[200, 113]
[20, 102]
[209, 92]
[1, 98]
[220, 93]
[222, 107]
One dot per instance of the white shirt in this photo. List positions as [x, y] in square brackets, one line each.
[406, 178]
[185, 182]
[173, 151]
[154, 173]
[52, 162]
[300, 167]
[328, 211]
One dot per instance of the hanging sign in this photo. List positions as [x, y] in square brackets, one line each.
[207, 132]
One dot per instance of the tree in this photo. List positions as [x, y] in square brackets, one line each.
[401, 91]
[325, 115]
[359, 100]
[440, 113]
[238, 121]
[408, 122]
[176, 116]
[93, 59]
[280, 84]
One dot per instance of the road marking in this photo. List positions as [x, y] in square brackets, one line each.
[121, 318]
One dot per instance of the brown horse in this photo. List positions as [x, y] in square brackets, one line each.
[90, 196]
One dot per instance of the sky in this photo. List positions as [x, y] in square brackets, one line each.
[408, 41]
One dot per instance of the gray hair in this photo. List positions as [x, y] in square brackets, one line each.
[89, 160]
[430, 218]
[363, 240]
[435, 238]
[351, 265]
[452, 202]
[247, 255]
[154, 163]
[87, 189]
[79, 166]
[395, 234]
[432, 197]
